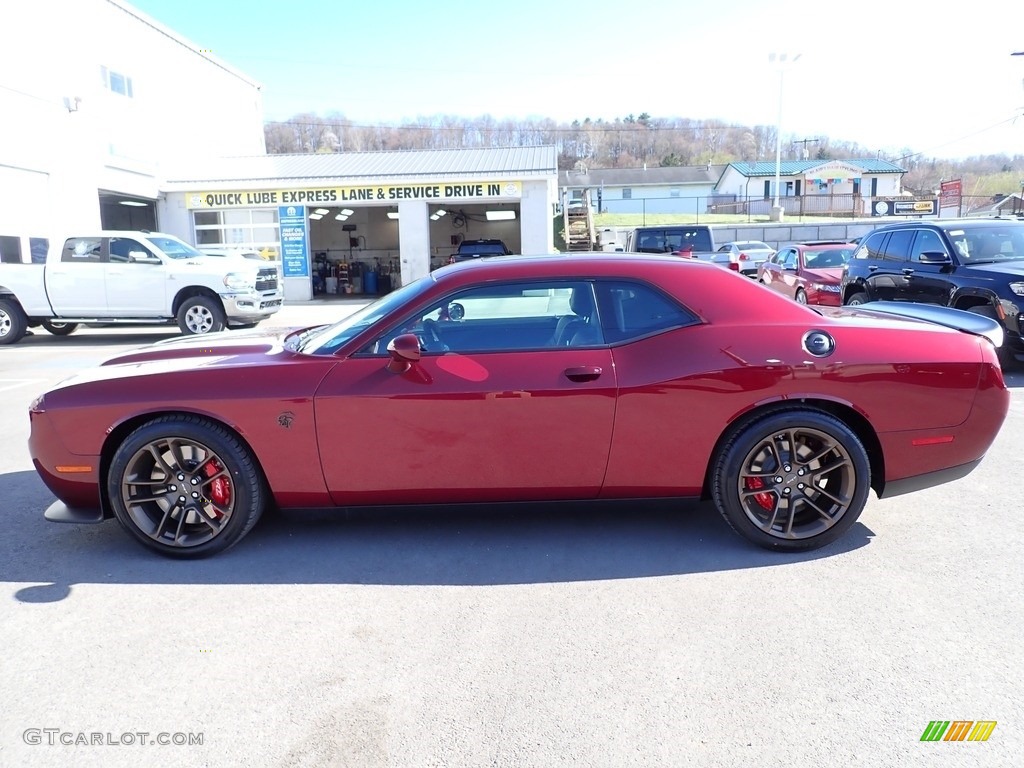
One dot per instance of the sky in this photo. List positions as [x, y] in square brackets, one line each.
[933, 78]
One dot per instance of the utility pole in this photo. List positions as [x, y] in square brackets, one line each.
[805, 142]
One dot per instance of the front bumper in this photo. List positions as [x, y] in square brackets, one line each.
[251, 307]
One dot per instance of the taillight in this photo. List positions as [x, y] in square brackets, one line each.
[734, 266]
[744, 257]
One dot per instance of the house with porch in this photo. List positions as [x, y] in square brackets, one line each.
[826, 187]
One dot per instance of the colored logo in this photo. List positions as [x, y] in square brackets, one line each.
[958, 730]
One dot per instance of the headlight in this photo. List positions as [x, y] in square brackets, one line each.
[1017, 288]
[825, 287]
[237, 281]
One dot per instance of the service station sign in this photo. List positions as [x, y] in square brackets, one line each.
[447, 192]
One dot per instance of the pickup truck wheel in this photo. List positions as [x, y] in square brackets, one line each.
[200, 315]
[59, 329]
[13, 323]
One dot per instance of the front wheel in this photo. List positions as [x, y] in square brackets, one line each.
[200, 315]
[856, 299]
[1007, 361]
[792, 480]
[59, 329]
[185, 487]
[801, 297]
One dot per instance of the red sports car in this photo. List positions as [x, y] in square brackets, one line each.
[532, 378]
[809, 273]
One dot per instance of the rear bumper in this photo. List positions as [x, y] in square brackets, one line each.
[920, 482]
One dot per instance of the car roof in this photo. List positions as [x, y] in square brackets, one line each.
[575, 263]
[946, 224]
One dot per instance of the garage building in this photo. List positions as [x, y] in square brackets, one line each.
[364, 222]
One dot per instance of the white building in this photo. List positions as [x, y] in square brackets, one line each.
[812, 186]
[656, 189]
[108, 119]
[98, 101]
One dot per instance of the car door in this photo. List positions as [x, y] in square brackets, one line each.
[493, 410]
[136, 280]
[772, 270]
[76, 285]
[929, 283]
[890, 264]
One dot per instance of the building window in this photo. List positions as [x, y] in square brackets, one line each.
[673, 192]
[627, 193]
[116, 82]
[255, 228]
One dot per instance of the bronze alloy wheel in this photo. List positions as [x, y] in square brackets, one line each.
[797, 483]
[185, 487]
[178, 492]
[793, 479]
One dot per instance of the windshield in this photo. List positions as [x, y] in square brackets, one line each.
[826, 258]
[325, 340]
[988, 244]
[175, 248]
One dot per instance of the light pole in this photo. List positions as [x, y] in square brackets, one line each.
[781, 60]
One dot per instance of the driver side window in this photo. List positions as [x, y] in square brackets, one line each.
[504, 318]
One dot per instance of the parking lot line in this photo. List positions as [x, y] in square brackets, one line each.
[6, 384]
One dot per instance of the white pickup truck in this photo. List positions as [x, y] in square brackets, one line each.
[131, 278]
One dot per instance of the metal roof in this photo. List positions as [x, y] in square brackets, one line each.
[635, 177]
[367, 166]
[799, 167]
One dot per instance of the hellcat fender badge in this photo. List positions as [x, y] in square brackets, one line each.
[286, 419]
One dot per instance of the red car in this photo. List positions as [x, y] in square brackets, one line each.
[532, 378]
[809, 273]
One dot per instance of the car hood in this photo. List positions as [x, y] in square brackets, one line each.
[1000, 268]
[829, 275]
[201, 350]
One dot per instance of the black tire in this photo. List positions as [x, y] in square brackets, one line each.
[243, 326]
[185, 487]
[200, 315]
[59, 329]
[801, 297]
[762, 486]
[1007, 361]
[13, 323]
[855, 299]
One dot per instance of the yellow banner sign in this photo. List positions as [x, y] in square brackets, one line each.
[321, 196]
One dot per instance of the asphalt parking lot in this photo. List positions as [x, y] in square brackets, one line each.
[535, 635]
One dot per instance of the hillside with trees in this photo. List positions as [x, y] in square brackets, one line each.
[632, 141]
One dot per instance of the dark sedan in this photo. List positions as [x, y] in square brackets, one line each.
[531, 378]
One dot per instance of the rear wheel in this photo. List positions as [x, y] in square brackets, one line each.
[801, 297]
[13, 323]
[792, 480]
[200, 315]
[185, 487]
[856, 299]
[59, 329]
[1006, 358]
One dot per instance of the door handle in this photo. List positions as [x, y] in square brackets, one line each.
[907, 271]
[872, 267]
[583, 373]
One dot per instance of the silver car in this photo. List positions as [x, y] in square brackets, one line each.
[748, 255]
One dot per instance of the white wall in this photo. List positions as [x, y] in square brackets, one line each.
[183, 104]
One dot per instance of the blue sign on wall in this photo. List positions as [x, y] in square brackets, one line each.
[294, 240]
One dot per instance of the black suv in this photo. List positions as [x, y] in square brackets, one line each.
[474, 249]
[971, 264]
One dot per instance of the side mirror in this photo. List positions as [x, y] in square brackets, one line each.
[935, 257]
[456, 311]
[141, 257]
[404, 351]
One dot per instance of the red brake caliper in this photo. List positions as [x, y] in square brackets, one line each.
[220, 489]
[764, 499]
